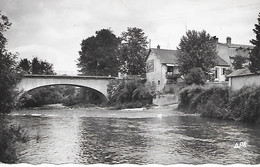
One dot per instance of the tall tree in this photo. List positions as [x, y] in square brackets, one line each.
[41, 67]
[35, 66]
[196, 50]
[254, 57]
[133, 51]
[98, 55]
[9, 75]
[25, 65]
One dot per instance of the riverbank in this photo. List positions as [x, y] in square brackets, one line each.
[96, 112]
[222, 103]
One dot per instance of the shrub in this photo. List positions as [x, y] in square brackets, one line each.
[215, 95]
[10, 137]
[245, 104]
[195, 76]
[220, 102]
[128, 91]
[213, 102]
[187, 95]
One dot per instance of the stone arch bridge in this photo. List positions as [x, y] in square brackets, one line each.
[98, 83]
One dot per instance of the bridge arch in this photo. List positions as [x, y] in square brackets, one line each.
[97, 83]
[101, 96]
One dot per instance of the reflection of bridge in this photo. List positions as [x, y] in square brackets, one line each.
[98, 83]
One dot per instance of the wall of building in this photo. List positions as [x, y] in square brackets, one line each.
[226, 52]
[156, 77]
[153, 75]
[240, 81]
[220, 76]
[223, 52]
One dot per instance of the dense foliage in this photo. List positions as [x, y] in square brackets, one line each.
[10, 137]
[98, 55]
[220, 102]
[195, 76]
[254, 57]
[36, 66]
[9, 74]
[130, 93]
[196, 51]
[245, 104]
[239, 62]
[133, 51]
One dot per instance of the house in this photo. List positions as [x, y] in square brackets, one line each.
[162, 69]
[243, 77]
[227, 51]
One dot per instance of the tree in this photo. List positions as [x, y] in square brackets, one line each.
[239, 62]
[36, 66]
[254, 65]
[195, 76]
[133, 51]
[98, 55]
[46, 68]
[9, 75]
[25, 66]
[196, 52]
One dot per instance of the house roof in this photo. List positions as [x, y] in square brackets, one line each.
[167, 56]
[221, 62]
[240, 72]
[237, 46]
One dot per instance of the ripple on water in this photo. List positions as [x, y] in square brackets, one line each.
[160, 135]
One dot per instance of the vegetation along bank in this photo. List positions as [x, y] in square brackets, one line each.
[222, 103]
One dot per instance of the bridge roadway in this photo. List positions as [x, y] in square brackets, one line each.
[98, 83]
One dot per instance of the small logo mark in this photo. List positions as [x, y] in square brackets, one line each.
[239, 145]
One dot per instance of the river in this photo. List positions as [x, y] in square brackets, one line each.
[161, 135]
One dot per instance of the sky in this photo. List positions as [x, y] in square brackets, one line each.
[54, 29]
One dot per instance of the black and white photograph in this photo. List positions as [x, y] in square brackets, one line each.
[129, 82]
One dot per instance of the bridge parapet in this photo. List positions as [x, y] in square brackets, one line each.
[69, 76]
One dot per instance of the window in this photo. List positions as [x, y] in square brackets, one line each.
[169, 69]
[223, 71]
[216, 73]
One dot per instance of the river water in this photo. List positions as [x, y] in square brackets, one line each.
[160, 135]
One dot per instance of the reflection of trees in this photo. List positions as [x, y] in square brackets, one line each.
[109, 140]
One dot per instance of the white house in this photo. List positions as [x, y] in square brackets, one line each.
[161, 67]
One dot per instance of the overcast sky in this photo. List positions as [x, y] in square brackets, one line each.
[53, 29]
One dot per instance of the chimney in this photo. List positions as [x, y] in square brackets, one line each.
[158, 47]
[228, 40]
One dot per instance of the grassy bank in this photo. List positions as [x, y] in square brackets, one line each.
[222, 103]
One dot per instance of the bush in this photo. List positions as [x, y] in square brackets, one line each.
[128, 93]
[245, 104]
[187, 95]
[220, 102]
[213, 102]
[195, 76]
[10, 137]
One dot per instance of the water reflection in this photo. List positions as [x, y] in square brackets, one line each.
[66, 136]
[108, 140]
